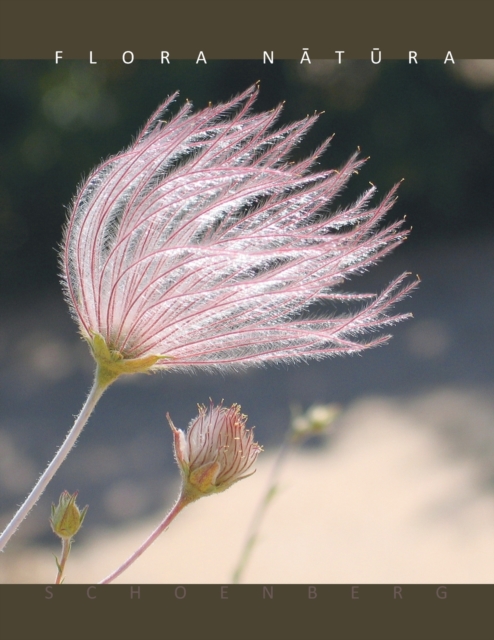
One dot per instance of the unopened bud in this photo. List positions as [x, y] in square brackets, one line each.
[66, 518]
[316, 420]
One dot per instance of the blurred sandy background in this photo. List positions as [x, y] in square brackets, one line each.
[381, 504]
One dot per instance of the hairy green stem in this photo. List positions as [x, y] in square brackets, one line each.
[95, 394]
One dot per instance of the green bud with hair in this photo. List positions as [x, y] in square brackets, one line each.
[66, 518]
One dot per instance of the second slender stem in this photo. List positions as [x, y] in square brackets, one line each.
[182, 502]
[260, 511]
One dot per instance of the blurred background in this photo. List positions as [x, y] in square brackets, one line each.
[402, 489]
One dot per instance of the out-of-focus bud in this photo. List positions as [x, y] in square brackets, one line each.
[216, 451]
[66, 518]
[315, 421]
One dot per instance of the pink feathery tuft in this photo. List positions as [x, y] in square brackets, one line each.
[203, 244]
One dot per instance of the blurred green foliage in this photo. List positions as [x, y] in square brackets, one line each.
[432, 124]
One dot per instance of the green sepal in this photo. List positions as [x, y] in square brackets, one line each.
[59, 568]
[83, 514]
[204, 478]
[112, 363]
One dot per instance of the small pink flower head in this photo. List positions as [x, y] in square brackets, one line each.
[202, 245]
[216, 451]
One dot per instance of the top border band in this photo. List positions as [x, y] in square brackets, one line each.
[241, 29]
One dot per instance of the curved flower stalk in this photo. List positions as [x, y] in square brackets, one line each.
[215, 452]
[202, 245]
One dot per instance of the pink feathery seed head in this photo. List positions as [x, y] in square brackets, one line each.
[216, 451]
[202, 245]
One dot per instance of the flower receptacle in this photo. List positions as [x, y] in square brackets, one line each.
[111, 363]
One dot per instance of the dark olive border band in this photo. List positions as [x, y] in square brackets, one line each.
[229, 612]
[240, 29]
